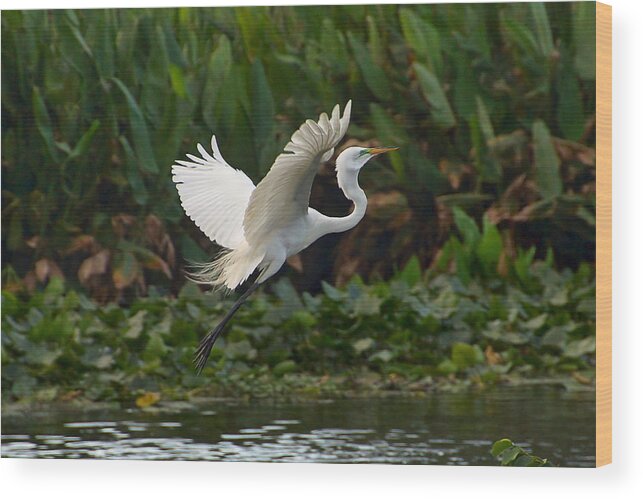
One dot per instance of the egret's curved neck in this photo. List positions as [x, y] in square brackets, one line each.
[347, 180]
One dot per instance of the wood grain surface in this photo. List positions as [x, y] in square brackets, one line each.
[603, 234]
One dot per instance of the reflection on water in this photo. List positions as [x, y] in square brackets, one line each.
[441, 429]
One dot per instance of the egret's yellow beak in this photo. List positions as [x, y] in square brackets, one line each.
[380, 150]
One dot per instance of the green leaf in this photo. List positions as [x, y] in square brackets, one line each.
[83, 144]
[466, 226]
[375, 45]
[363, 344]
[42, 355]
[489, 248]
[155, 348]
[447, 367]
[441, 112]
[263, 110]
[136, 183]
[509, 455]
[142, 144]
[520, 36]
[547, 163]
[464, 355]
[177, 80]
[500, 446]
[135, 325]
[584, 35]
[251, 22]
[555, 337]
[366, 305]
[569, 112]
[382, 356]
[580, 347]
[422, 37]
[125, 269]
[536, 322]
[218, 69]
[102, 37]
[284, 367]
[543, 29]
[372, 74]
[43, 123]
[412, 272]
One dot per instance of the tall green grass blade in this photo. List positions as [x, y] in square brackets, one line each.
[140, 134]
[489, 248]
[441, 112]
[43, 123]
[132, 172]
[83, 144]
[263, 110]
[216, 77]
[584, 35]
[520, 37]
[372, 74]
[177, 79]
[569, 112]
[543, 29]
[422, 37]
[547, 163]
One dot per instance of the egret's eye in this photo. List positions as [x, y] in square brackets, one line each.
[363, 152]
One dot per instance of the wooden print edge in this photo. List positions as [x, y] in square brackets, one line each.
[603, 234]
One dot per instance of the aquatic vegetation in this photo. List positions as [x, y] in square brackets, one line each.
[412, 334]
[510, 454]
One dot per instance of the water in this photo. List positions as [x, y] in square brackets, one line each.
[452, 429]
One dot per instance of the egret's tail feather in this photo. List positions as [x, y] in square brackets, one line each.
[228, 270]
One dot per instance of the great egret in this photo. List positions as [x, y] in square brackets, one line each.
[261, 226]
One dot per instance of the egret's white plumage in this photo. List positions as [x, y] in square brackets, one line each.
[214, 195]
[261, 226]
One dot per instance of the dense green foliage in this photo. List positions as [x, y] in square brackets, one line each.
[492, 106]
[510, 454]
[413, 334]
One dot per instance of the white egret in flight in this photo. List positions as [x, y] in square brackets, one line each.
[261, 226]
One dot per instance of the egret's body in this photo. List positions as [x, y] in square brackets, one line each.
[262, 226]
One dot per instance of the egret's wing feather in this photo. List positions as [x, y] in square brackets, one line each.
[214, 195]
[283, 194]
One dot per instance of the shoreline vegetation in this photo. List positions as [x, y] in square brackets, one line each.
[409, 336]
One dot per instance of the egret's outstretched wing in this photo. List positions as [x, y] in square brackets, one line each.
[283, 194]
[214, 195]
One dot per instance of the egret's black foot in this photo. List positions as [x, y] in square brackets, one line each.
[205, 347]
[202, 353]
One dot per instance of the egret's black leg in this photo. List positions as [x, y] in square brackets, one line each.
[205, 346]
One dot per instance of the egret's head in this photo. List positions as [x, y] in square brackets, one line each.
[354, 158]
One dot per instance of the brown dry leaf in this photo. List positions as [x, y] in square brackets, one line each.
[71, 395]
[148, 399]
[46, 268]
[581, 379]
[539, 209]
[159, 239]
[493, 358]
[155, 262]
[503, 264]
[455, 172]
[126, 269]
[121, 223]
[34, 242]
[569, 150]
[94, 265]
[154, 231]
[84, 242]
